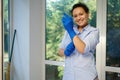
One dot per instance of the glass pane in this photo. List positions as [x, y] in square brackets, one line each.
[113, 33]
[54, 27]
[6, 36]
[1, 40]
[112, 76]
[54, 72]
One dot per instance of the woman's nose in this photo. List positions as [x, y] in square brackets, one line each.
[78, 17]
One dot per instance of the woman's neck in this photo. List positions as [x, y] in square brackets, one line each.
[80, 28]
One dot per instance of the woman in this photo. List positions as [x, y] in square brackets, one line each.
[78, 45]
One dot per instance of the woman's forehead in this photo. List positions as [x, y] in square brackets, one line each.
[78, 9]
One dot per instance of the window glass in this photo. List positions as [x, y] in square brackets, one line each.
[54, 72]
[54, 27]
[113, 33]
[112, 76]
[6, 36]
[1, 39]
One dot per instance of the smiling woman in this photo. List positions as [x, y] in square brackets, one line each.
[55, 31]
[79, 41]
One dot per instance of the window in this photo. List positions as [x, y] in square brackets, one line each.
[112, 76]
[6, 36]
[113, 34]
[54, 33]
[112, 40]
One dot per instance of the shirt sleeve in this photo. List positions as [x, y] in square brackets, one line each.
[65, 41]
[91, 40]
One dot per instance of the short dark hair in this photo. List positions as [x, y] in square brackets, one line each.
[80, 5]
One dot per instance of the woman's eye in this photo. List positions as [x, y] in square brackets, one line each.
[75, 16]
[81, 14]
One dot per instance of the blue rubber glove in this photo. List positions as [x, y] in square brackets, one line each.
[68, 25]
[69, 49]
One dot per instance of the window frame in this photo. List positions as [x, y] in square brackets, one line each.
[49, 62]
[101, 48]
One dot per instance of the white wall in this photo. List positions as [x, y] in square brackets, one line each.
[37, 29]
[27, 63]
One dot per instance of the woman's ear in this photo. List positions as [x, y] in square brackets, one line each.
[89, 16]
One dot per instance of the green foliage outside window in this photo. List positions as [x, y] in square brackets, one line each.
[113, 33]
[6, 27]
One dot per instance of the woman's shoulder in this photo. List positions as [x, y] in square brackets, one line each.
[92, 28]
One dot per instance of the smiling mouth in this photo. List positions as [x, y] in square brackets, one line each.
[80, 21]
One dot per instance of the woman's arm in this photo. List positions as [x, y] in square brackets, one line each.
[79, 44]
[61, 52]
[88, 43]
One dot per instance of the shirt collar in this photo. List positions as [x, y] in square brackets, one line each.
[84, 29]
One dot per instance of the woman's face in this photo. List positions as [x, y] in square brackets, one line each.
[80, 17]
